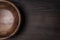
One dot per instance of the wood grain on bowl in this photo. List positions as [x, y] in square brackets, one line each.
[9, 19]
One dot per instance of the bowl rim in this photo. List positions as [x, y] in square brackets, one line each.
[19, 15]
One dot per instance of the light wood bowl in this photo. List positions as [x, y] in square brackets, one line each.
[9, 19]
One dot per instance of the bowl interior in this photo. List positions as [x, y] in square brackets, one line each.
[9, 19]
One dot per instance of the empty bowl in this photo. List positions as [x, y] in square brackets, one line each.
[9, 19]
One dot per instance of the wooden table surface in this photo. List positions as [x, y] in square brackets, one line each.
[40, 20]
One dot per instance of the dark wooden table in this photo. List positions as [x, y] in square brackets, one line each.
[40, 20]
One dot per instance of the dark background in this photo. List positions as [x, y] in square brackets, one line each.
[40, 20]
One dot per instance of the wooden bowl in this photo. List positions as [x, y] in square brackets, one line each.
[9, 19]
